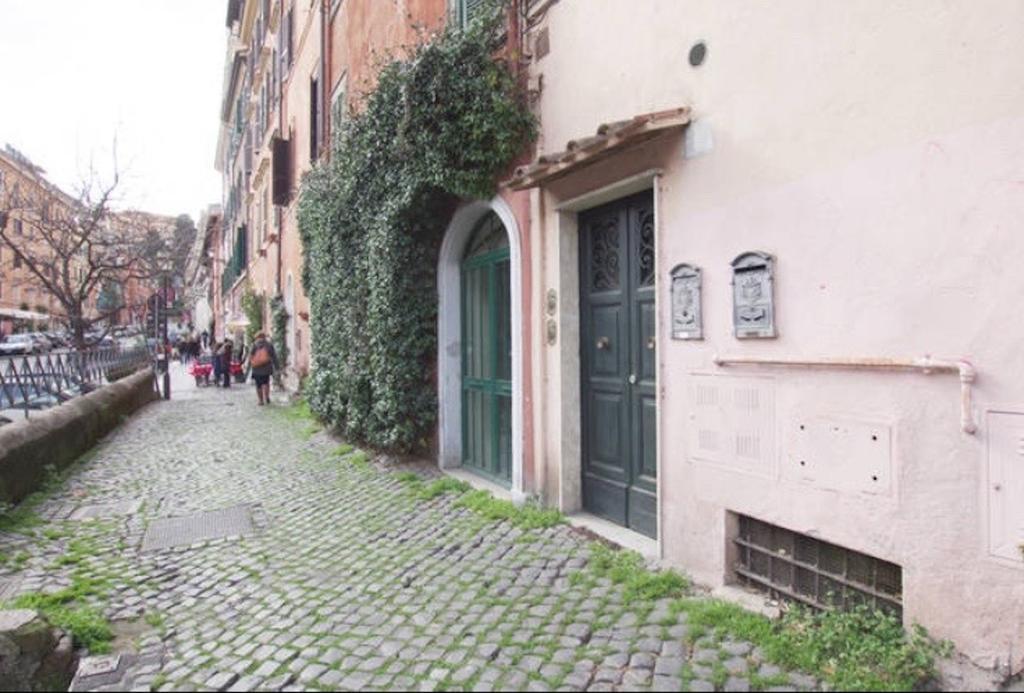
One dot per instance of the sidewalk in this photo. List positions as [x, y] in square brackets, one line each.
[237, 551]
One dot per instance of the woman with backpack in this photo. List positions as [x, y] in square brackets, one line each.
[263, 362]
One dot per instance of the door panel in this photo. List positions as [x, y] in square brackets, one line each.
[618, 362]
[487, 353]
[606, 445]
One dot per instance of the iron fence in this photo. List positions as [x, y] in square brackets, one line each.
[32, 383]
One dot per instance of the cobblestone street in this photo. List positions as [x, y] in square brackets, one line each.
[333, 575]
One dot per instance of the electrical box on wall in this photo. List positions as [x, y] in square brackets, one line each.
[753, 295]
[840, 454]
[1006, 484]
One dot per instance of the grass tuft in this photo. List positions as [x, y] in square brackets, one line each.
[627, 568]
[529, 516]
[439, 487]
[862, 649]
[66, 610]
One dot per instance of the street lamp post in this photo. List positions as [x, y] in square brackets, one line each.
[165, 291]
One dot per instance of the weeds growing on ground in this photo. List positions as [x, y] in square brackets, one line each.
[22, 518]
[408, 477]
[528, 516]
[863, 649]
[439, 487]
[627, 568]
[67, 610]
[300, 414]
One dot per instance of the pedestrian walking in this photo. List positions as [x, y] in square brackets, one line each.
[225, 361]
[215, 360]
[263, 364]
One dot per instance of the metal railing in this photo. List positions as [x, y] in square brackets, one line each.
[33, 383]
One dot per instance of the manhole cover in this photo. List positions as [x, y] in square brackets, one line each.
[8, 588]
[178, 531]
[92, 512]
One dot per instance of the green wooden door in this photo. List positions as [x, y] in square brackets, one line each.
[487, 353]
[618, 362]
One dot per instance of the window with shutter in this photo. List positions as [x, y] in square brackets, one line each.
[468, 10]
[338, 107]
[288, 39]
[314, 120]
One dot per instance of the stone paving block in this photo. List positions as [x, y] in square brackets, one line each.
[668, 683]
[343, 579]
[736, 684]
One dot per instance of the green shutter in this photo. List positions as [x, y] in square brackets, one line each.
[467, 10]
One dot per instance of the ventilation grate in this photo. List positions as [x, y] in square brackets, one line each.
[795, 567]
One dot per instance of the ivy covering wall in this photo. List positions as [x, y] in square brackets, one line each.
[440, 126]
[252, 306]
[279, 333]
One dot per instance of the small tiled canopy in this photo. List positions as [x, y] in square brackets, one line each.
[610, 139]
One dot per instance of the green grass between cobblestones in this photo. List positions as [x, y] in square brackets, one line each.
[858, 650]
[529, 516]
[67, 610]
[627, 568]
[300, 413]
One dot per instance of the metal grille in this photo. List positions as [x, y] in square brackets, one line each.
[182, 531]
[795, 567]
[38, 382]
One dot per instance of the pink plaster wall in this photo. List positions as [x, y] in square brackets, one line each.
[877, 151]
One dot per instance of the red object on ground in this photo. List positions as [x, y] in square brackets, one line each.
[200, 370]
[236, 368]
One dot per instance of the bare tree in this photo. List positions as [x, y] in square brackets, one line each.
[74, 248]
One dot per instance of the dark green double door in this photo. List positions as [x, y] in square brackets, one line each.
[487, 353]
[618, 362]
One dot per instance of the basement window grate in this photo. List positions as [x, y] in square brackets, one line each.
[795, 567]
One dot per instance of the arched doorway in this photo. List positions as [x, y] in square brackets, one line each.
[487, 352]
[480, 344]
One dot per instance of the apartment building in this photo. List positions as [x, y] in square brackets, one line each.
[24, 300]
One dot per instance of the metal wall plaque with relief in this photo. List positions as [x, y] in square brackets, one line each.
[687, 321]
[753, 302]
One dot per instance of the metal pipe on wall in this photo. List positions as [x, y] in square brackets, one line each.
[925, 365]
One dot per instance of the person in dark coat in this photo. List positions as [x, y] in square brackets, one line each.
[225, 361]
[263, 362]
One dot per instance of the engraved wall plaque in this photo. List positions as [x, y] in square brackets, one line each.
[687, 321]
[753, 302]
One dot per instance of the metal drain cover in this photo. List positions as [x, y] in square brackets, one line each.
[179, 531]
[92, 512]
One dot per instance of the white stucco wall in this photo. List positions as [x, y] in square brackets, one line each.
[876, 149]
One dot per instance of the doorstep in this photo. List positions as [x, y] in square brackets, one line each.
[481, 484]
[617, 534]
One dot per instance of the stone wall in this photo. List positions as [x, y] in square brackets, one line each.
[60, 435]
[34, 656]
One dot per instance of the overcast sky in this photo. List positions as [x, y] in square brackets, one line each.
[76, 73]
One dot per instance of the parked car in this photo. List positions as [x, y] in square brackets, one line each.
[44, 342]
[25, 343]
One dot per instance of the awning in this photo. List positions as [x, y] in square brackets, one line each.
[14, 314]
[611, 138]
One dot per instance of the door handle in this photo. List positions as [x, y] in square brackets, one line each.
[632, 378]
[603, 342]
[650, 343]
